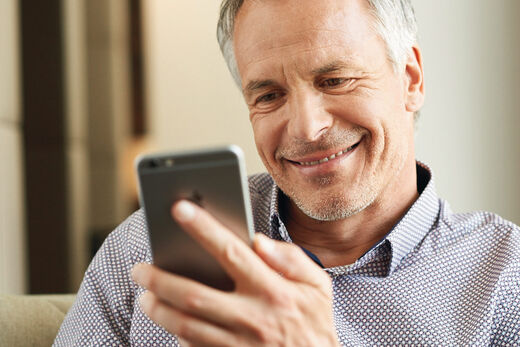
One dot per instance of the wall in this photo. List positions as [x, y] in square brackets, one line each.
[468, 127]
[76, 137]
[12, 241]
[467, 132]
[108, 112]
[192, 100]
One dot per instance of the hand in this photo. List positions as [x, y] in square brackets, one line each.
[281, 297]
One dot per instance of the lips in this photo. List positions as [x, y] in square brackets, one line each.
[313, 162]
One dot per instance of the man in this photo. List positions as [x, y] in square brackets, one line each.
[333, 88]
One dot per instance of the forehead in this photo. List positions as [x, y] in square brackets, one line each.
[309, 13]
[268, 30]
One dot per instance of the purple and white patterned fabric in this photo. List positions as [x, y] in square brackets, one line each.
[437, 279]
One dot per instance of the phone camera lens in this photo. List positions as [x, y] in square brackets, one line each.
[154, 163]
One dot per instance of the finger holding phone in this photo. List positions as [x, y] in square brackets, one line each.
[213, 282]
[294, 309]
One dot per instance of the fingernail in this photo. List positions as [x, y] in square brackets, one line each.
[183, 211]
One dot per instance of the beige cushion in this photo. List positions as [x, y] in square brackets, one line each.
[32, 320]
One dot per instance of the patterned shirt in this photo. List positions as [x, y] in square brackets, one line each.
[436, 279]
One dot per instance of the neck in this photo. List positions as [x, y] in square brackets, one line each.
[342, 242]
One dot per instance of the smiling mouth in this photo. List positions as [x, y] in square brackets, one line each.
[329, 158]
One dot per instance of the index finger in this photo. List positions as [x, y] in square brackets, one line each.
[235, 256]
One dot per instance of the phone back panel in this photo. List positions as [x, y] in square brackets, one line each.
[216, 181]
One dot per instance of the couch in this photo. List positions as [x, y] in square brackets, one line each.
[32, 320]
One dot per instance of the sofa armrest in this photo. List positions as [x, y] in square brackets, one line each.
[32, 320]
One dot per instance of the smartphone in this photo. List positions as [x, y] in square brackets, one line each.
[216, 180]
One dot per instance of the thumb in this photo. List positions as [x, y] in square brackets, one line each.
[289, 260]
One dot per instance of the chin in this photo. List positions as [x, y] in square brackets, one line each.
[333, 207]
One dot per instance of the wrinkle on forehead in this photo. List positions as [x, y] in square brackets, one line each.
[298, 43]
[307, 58]
[290, 40]
[301, 16]
[256, 59]
[294, 29]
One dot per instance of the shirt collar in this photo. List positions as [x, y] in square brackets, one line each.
[422, 216]
[277, 226]
[400, 241]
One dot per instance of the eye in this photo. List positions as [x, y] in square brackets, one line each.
[269, 97]
[333, 82]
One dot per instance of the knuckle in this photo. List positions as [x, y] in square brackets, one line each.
[291, 272]
[258, 325]
[293, 251]
[184, 329]
[261, 334]
[193, 300]
[295, 254]
[153, 307]
[280, 298]
[150, 281]
[269, 334]
[231, 252]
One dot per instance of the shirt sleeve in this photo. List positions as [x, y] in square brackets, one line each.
[506, 322]
[103, 309]
[507, 328]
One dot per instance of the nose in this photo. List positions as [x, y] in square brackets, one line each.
[307, 117]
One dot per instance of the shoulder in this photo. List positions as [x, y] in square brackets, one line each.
[487, 237]
[480, 224]
[105, 304]
[129, 240]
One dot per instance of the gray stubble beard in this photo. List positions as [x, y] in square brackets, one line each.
[332, 208]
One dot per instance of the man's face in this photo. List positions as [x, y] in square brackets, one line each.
[328, 111]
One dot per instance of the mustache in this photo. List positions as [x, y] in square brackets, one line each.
[332, 139]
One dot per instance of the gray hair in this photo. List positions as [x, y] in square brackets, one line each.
[394, 22]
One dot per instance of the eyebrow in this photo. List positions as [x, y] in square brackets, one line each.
[330, 67]
[257, 84]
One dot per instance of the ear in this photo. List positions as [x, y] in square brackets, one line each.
[414, 93]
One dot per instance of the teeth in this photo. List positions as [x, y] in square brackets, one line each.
[324, 160]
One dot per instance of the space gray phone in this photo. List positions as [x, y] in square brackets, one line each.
[214, 179]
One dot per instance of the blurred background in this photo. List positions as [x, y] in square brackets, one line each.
[86, 85]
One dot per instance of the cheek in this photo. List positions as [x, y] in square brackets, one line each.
[397, 136]
[361, 109]
[383, 120]
[266, 134]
